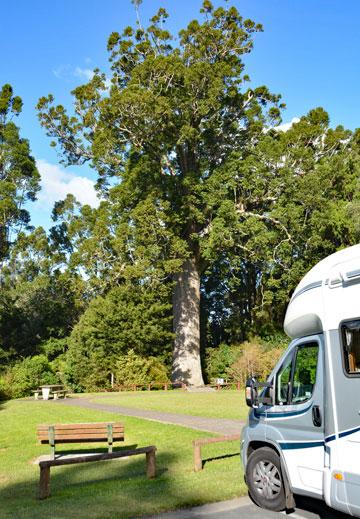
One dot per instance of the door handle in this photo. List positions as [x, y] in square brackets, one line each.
[316, 416]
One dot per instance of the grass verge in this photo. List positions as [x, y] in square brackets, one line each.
[112, 489]
[217, 404]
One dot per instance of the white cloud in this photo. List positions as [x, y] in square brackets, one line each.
[286, 126]
[56, 183]
[63, 72]
[84, 73]
[68, 73]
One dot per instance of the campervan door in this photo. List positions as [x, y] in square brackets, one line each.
[296, 422]
[342, 390]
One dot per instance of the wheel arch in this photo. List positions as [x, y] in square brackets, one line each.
[257, 444]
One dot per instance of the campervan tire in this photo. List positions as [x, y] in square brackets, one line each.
[265, 480]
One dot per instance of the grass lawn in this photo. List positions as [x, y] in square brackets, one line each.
[109, 489]
[217, 404]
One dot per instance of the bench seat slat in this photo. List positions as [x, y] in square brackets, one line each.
[95, 425]
[71, 432]
[82, 436]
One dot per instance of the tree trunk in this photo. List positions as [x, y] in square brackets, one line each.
[186, 302]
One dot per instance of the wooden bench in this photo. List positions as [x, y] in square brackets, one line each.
[59, 394]
[84, 433]
[197, 444]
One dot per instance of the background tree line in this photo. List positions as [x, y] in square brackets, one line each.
[209, 213]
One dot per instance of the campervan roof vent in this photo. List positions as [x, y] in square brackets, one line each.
[335, 279]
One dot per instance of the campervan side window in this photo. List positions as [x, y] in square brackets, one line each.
[304, 373]
[351, 346]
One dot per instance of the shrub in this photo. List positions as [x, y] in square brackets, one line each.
[4, 389]
[27, 375]
[255, 359]
[218, 360]
[134, 369]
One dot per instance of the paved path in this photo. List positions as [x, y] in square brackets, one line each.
[214, 425]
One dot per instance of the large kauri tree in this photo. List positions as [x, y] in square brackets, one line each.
[173, 112]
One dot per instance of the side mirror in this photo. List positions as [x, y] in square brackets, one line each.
[252, 395]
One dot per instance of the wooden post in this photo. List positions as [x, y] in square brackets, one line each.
[150, 464]
[149, 387]
[44, 488]
[197, 457]
[112, 380]
[238, 386]
[110, 437]
[165, 387]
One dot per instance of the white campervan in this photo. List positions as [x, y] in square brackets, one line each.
[303, 432]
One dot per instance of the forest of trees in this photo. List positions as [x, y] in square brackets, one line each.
[209, 216]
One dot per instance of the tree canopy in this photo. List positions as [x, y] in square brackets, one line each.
[19, 177]
[209, 212]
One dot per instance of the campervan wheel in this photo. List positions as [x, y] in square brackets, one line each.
[264, 479]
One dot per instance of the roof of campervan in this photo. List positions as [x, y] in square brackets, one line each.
[306, 311]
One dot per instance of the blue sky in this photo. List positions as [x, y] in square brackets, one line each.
[309, 52]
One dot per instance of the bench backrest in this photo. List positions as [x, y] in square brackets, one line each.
[80, 432]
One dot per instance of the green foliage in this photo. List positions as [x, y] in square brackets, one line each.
[128, 317]
[19, 177]
[237, 362]
[35, 310]
[255, 359]
[218, 360]
[53, 348]
[135, 369]
[28, 374]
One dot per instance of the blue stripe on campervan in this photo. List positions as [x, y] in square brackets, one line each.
[270, 414]
[342, 434]
[300, 445]
[330, 438]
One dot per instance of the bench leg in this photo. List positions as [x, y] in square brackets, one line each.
[150, 464]
[197, 458]
[44, 488]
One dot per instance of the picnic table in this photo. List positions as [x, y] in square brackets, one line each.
[52, 390]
